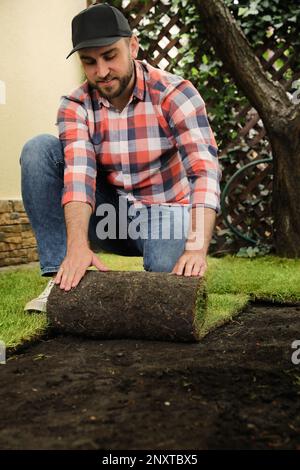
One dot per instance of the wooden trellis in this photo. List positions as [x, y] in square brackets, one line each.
[250, 194]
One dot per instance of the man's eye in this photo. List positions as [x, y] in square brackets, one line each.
[110, 57]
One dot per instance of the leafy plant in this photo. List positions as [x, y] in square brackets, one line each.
[259, 19]
[260, 249]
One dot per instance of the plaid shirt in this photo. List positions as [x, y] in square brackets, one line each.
[159, 149]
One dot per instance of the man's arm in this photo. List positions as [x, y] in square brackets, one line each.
[80, 169]
[185, 111]
[78, 197]
[193, 260]
[79, 256]
[77, 217]
[201, 227]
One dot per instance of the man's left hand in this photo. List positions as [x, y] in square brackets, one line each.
[191, 263]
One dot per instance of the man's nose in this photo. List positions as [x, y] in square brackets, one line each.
[102, 69]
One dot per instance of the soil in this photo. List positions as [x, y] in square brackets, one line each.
[236, 389]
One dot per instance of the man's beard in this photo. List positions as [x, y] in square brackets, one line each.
[123, 84]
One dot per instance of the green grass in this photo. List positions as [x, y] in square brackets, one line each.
[221, 308]
[16, 288]
[122, 263]
[231, 283]
[268, 278]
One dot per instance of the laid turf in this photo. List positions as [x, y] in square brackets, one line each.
[231, 283]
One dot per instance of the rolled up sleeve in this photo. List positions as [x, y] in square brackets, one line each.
[196, 144]
[80, 159]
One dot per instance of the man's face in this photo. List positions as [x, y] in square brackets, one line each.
[110, 69]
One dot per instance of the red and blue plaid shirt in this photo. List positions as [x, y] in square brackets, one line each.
[159, 149]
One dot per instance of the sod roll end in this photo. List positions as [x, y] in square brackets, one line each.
[131, 304]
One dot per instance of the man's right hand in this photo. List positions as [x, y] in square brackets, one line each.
[74, 266]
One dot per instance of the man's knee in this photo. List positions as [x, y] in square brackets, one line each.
[38, 147]
[160, 264]
[162, 255]
[159, 267]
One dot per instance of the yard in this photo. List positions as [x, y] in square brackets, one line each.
[69, 392]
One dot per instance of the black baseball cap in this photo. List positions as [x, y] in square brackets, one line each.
[98, 25]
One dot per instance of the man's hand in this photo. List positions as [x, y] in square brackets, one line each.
[191, 263]
[74, 266]
[193, 260]
[79, 255]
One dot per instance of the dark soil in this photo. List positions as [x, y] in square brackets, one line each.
[236, 389]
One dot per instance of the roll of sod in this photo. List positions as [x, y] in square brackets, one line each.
[130, 304]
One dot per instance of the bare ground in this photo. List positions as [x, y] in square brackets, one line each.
[237, 389]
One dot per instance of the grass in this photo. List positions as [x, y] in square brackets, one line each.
[16, 288]
[269, 278]
[231, 283]
[222, 308]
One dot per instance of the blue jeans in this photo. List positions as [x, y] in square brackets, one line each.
[42, 169]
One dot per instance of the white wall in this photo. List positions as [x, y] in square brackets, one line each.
[35, 38]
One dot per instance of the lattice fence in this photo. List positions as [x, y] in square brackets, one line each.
[247, 197]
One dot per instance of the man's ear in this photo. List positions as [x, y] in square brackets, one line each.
[134, 46]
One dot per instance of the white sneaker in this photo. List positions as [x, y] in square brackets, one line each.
[39, 303]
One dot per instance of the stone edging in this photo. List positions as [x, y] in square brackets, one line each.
[17, 241]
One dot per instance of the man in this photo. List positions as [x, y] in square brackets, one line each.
[132, 138]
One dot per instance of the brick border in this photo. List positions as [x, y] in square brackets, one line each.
[17, 240]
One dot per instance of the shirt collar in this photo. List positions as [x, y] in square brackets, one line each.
[139, 87]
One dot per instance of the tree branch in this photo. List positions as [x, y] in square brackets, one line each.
[231, 45]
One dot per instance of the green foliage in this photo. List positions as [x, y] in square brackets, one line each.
[260, 249]
[264, 18]
[259, 19]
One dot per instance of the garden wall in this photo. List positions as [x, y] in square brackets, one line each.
[17, 241]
